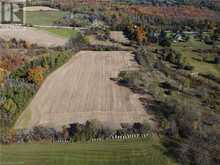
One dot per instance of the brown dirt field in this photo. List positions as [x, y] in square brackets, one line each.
[31, 35]
[39, 8]
[81, 90]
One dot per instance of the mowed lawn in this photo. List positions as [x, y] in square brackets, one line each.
[126, 152]
[43, 17]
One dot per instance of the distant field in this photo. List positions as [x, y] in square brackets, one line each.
[192, 57]
[39, 8]
[129, 152]
[65, 33]
[43, 17]
[33, 36]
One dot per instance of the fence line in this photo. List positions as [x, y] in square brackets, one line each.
[113, 137]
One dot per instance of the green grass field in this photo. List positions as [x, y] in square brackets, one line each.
[65, 33]
[194, 58]
[43, 17]
[127, 152]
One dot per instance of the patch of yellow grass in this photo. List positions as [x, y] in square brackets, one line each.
[2, 75]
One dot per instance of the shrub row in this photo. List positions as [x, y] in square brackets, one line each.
[74, 132]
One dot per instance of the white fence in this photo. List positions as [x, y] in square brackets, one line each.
[114, 137]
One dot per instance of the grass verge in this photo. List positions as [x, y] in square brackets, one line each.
[126, 152]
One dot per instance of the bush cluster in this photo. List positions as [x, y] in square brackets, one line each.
[13, 99]
[73, 132]
[174, 57]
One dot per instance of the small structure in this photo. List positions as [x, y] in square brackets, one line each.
[178, 37]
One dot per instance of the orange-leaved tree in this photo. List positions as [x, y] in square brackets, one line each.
[2, 75]
[140, 34]
[36, 75]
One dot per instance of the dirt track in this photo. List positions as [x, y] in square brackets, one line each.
[31, 35]
[82, 90]
[39, 8]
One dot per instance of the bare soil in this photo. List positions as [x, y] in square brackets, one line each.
[39, 8]
[31, 35]
[81, 90]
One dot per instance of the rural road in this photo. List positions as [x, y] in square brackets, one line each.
[81, 90]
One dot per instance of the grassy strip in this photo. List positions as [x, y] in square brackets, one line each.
[138, 151]
[65, 33]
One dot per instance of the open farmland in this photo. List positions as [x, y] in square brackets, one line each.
[39, 8]
[32, 36]
[81, 90]
[43, 17]
[88, 82]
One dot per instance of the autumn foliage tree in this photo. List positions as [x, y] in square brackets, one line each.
[140, 34]
[136, 33]
[11, 62]
[2, 75]
[36, 75]
[11, 136]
